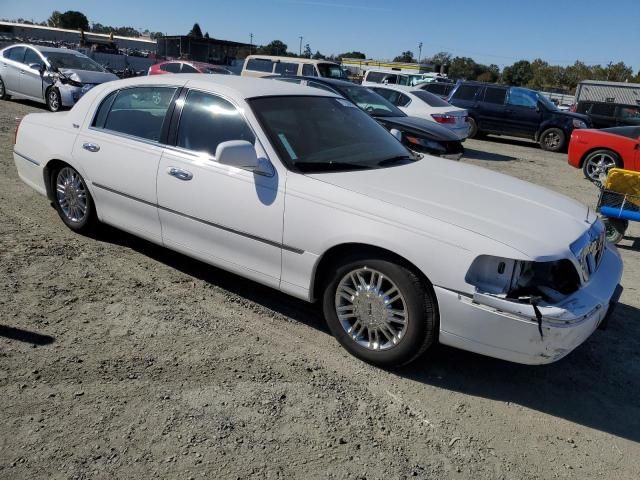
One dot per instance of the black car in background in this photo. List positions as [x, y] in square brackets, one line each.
[518, 112]
[441, 89]
[606, 114]
[417, 134]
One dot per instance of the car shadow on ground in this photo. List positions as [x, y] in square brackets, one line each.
[509, 141]
[473, 154]
[26, 336]
[633, 246]
[597, 386]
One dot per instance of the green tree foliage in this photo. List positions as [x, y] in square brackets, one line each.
[195, 31]
[206, 35]
[353, 54]
[442, 58]
[406, 57]
[520, 73]
[318, 56]
[55, 20]
[70, 19]
[306, 52]
[276, 47]
[462, 68]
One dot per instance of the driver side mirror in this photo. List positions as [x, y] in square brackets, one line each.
[237, 153]
[38, 66]
[396, 133]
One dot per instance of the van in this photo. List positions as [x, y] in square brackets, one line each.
[265, 65]
[374, 78]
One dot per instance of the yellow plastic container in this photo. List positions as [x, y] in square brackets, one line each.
[625, 182]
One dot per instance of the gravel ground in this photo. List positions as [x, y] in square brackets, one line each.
[120, 359]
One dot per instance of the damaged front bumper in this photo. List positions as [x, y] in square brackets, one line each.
[508, 330]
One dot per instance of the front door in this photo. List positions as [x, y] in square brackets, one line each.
[31, 78]
[119, 150]
[223, 215]
[523, 116]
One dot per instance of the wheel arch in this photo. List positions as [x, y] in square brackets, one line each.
[47, 176]
[593, 149]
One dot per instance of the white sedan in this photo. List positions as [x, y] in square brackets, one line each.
[300, 190]
[419, 103]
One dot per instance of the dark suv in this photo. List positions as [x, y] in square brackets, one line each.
[515, 111]
[606, 114]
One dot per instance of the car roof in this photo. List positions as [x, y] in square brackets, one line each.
[192, 62]
[243, 87]
[42, 49]
[328, 81]
[289, 59]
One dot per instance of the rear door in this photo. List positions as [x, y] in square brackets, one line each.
[466, 96]
[523, 117]
[119, 149]
[492, 109]
[11, 63]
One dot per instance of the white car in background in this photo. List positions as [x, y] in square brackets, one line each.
[401, 252]
[418, 103]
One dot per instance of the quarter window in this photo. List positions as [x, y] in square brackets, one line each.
[521, 97]
[139, 112]
[186, 68]
[495, 95]
[170, 67]
[207, 121]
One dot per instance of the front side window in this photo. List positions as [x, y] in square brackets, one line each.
[604, 109]
[31, 57]
[521, 97]
[138, 111]
[375, 77]
[173, 67]
[466, 92]
[629, 113]
[371, 102]
[283, 68]
[207, 121]
[308, 70]
[72, 60]
[323, 134]
[260, 65]
[495, 95]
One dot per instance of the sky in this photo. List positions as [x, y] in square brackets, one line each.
[489, 31]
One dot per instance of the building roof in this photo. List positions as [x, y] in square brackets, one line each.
[611, 84]
[93, 34]
[215, 41]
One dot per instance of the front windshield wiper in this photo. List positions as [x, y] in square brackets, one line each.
[399, 160]
[330, 166]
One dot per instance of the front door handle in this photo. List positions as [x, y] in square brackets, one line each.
[91, 147]
[179, 173]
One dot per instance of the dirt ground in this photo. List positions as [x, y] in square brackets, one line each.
[120, 359]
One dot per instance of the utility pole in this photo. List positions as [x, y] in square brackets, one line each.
[300, 54]
[419, 52]
[250, 42]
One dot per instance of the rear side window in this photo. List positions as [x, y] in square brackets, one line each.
[286, 68]
[397, 98]
[466, 92]
[308, 70]
[16, 54]
[495, 95]
[604, 109]
[103, 110]
[139, 112]
[207, 121]
[435, 88]
[430, 99]
[583, 107]
[375, 77]
[31, 57]
[170, 67]
[260, 65]
[186, 68]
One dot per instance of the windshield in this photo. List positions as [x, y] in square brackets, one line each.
[546, 102]
[430, 99]
[72, 60]
[371, 102]
[325, 134]
[331, 70]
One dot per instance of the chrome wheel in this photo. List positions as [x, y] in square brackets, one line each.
[598, 165]
[53, 100]
[552, 140]
[371, 309]
[71, 195]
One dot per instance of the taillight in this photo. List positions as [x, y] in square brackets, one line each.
[444, 118]
[573, 108]
[15, 135]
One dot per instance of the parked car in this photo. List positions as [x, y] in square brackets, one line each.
[605, 114]
[441, 89]
[184, 66]
[417, 134]
[422, 104]
[375, 77]
[57, 77]
[401, 252]
[519, 112]
[598, 151]
[266, 65]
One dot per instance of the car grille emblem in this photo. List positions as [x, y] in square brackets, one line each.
[590, 251]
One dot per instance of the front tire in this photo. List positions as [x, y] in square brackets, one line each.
[72, 200]
[597, 164]
[552, 140]
[380, 311]
[54, 101]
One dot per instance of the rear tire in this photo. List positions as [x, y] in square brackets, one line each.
[553, 140]
[72, 200]
[3, 91]
[473, 129]
[380, 311]
[596, 165]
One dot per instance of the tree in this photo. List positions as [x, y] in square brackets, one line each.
[441, 58]
[353, 54]
[196, 31]
[55, 20]
[520, 73]
[462, 68]
[306, 53]
[206, 35]
[276, 47]
[70, 19]
[318, 56]
[406, 57]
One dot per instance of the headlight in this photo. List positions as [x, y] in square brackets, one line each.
[424, 143]
[520, 280]
[579, 123]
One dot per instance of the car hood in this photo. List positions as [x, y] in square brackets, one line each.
[86, 76]
[533, 220]
[579, 116]
[420, 126]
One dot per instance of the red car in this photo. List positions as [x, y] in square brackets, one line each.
[184, 66]
[596, 151]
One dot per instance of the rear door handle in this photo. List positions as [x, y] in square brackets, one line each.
[91, 147]
[180, 174]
